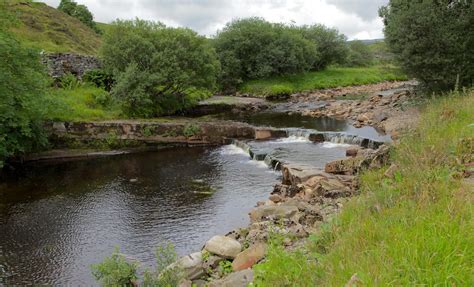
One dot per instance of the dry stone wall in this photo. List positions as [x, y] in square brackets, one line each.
[60, 64]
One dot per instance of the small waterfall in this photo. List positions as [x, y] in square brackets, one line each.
[343, 138]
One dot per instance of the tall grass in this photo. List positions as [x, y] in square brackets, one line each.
[415, 229]
[81, 102]
[330, 78]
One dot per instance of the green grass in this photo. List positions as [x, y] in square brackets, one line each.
[79, 104]
[43, 27]
[330, 78]
[416, 229]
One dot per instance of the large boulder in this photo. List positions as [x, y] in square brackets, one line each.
[348, 166]
[247, 258]
[223, 246]
[294, 174]
[272, 212]
[237, 279]
[192, 266]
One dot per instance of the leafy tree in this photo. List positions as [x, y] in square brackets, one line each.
[331, 45]
[158, 70]
[22, 86]
[359, 54]
[254, 48]
[81, 12]
[432, 40]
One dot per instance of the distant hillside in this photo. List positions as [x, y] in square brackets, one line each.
[49, 29]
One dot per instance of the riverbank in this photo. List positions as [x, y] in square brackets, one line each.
[411, 224]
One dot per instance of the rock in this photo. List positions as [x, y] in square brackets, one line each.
[390, 172]
[275, 198]
[199, 283]
[262, 134]
[316, 137]
[348, 166]
[223, 246]
[185, 283]
[294, 174]
[212, 262]
[248, 257]
[363, 118]
[272, 212]
[381, 117]
[237, 279]
[59, 127]
[380, 157]
[352, 151]
[192, 266]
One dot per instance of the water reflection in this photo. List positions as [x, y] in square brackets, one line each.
[57, 220]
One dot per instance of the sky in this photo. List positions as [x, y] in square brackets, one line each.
[357, 19]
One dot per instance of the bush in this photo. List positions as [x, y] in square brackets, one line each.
[81, 12]
[157, 69]
[115, 270]
[99, 78]
[69, 82]
[360, 55]
[330, 44]
[432, 40]
[118, 271]
[23, 82]
[254, 48]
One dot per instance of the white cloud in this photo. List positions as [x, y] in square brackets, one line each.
[356, 19]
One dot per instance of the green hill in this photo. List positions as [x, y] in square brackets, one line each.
[47, 28]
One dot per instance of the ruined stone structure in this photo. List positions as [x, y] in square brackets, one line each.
[60, 64]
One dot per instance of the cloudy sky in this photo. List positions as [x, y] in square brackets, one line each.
[358, 19]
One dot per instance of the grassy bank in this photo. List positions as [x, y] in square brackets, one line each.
[82, 103]
[329, 78]
[44, 27]
[415, 229]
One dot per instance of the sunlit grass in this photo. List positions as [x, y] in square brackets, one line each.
[329, 78]
[79, 104]
[416, 229]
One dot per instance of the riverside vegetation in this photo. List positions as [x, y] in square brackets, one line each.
[411, 224]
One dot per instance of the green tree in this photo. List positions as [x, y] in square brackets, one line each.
[158, 70]
[22, 86]
[253, 48]
[433, 40]
[331, 45]
[81, 12]
[360, 54]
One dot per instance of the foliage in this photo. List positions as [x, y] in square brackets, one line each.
[282, 268]
[191, 130]
[329, 78]
[432, 40]
[360, 55]
[330, 44]
[99, 78]
[82, 103]
[253, 48]
[80, 12]
[69, 82]
[43, 27]
[118, 271]
[115, 270]
[414, 229]
[158, 70]
[22, 85]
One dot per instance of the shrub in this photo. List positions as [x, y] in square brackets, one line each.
[23, 82]
[81, 12]
[360, 55]
[69, 82]
[253, 48]
[330, 44]
[432, 40]
[157, 69]
[116, 270]
[99, 78]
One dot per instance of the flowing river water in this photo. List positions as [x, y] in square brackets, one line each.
[57, 220]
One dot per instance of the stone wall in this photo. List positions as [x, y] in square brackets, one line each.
[59, 64]
[193, 133]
